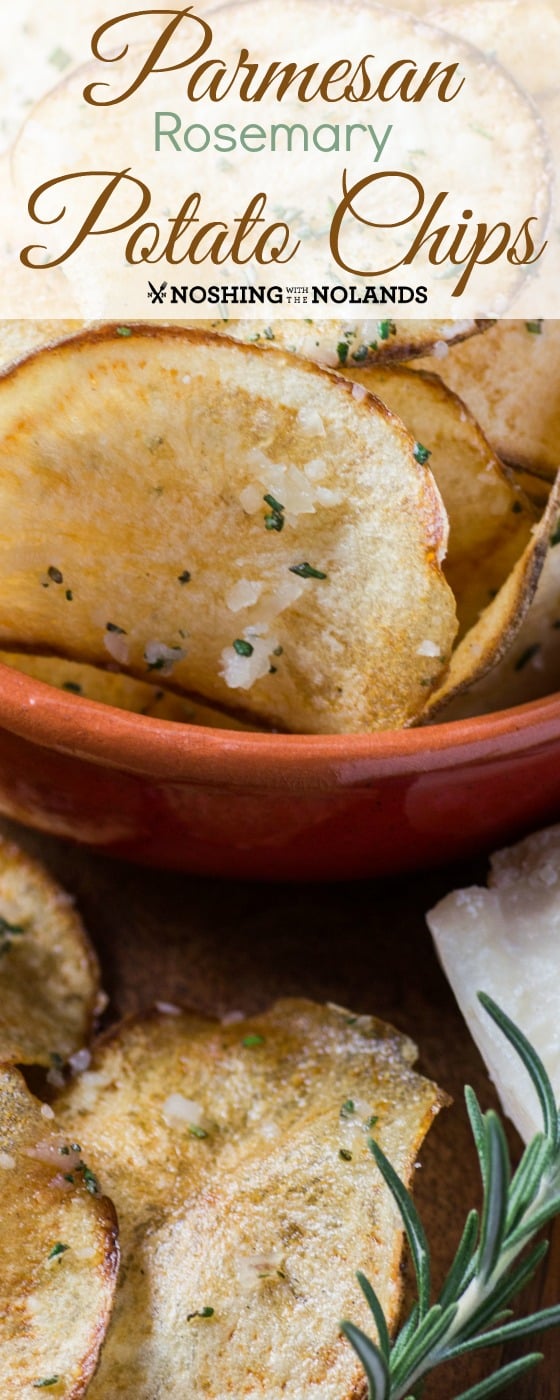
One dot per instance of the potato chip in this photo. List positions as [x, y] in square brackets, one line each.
[531, 666]
[328, 342]
[247, 1195]
[17, 338]
[49, 976]
[489, 520]
[59, 1254]
[123, 692]
[511, 382]
[262, 535]
[335, 343]
[490, 640]
[535, 488]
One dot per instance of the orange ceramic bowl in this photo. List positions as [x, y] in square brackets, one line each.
[271, 806]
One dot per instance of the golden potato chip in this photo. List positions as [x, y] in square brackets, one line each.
[492, 637]
[49, 976]
[489, 520]
[125, 693]
[261, 535]
[59, 1254]
[17, 338]
[511, 382]
[535, 488]
[335, 343]
[327, 342]
[238, 1159]
[531, 666]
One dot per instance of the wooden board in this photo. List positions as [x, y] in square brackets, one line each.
[222, 946]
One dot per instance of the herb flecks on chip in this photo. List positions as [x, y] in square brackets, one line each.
[306, 570]
[421, 454]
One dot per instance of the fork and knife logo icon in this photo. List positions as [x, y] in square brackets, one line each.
[156, 294]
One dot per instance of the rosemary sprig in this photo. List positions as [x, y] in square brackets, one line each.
[472, 1311]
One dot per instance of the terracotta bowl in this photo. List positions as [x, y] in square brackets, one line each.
[269, 806]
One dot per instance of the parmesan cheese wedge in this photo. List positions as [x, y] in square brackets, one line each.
[504, 940]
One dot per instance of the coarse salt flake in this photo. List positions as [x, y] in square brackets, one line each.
[244, 594]
[178, 1109]
[428, 648]
[309, 422]
[162, 658]
[117, 646]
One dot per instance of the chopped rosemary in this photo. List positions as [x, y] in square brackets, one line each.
[196, 1131]
[348, 1108]
[204, 1312]
[60, 58]
[386, 328]
[55, 575]
[89, 1179]
[112, 627]
[555, 536]
[57, 1250]
[306, 571]
[8, 930]
[69, 595]
[342, 351]
[274, 521]
[124, 330]
[250, 1041]
[72, 687]
[49, 1380]
[242, 647]
[273, 503]
[421, 454]
[345, 1154]
[472, 1310]
[185, 577]
[534, 327]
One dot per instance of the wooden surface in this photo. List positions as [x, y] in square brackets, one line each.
[224, 946]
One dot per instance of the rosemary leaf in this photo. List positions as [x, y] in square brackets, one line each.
[532, 1062]
[373, 1362]
[378, 1315]
[501, 1378]
[413, 1226]
[462, 1264]
[495, 1196]
[522, 1327]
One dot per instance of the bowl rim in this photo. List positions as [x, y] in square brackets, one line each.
[163, 749]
